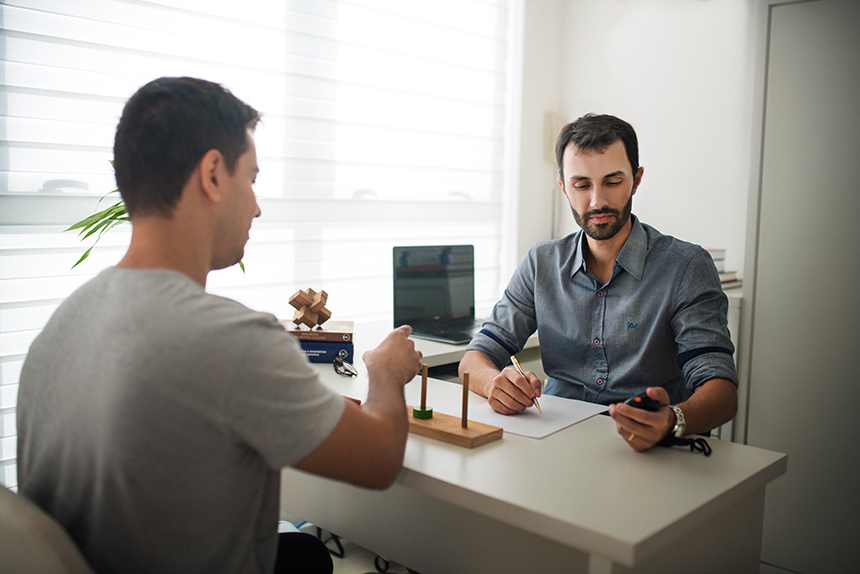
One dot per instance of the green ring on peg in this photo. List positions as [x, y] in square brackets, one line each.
[423, 414]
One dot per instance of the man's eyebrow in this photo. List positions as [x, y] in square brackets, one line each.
[619, 173]
[614, 174]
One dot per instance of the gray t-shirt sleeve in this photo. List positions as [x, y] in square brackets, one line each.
[265, 392]
[284, 412]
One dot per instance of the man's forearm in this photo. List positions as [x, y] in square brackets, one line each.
[386, 403]
[481, 372]
[714, 403]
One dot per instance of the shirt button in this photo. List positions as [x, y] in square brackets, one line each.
[599, 381]
[600, 293]
[597, 341]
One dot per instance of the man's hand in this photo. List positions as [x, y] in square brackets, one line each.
[507, 391]
[394, 358]
[367, 445]
[640, 428]
[714, 402]
[511, 393]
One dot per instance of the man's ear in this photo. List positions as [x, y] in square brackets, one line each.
[563, 190]
[637, 179]
[210, 173]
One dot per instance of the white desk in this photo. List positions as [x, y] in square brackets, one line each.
[368, 335]
[578, 501]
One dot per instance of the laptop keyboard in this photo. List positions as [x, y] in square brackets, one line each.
[455, 327]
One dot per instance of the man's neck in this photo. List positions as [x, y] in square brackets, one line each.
[600, 255]
[158, 243]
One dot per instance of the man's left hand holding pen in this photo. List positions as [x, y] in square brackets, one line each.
[508, 391]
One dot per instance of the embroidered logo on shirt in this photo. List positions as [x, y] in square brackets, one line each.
[632, 325]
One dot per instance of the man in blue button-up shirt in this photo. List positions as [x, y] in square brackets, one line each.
[620, 307]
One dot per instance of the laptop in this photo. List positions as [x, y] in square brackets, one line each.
[434, 292]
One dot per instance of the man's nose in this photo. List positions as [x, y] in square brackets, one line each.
[597, 199]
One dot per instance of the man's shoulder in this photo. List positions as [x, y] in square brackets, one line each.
[162, 300]
[672, 246]
[562, 247]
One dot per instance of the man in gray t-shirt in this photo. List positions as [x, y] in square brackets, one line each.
[154, 418]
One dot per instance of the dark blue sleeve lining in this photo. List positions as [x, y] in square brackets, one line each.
[499, 341]
[687, 355]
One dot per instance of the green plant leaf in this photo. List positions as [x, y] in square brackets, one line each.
[99, 223]
[103, 221]
[84, 256]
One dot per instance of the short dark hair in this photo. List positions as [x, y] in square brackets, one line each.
[596, 133]
[166, 127]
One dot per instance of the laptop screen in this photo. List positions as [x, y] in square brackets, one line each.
[433, 284]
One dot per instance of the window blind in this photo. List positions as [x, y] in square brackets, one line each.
[384, 124]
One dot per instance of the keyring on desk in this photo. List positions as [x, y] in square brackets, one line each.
[341, 367]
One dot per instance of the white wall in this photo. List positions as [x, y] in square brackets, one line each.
[541, 93]
[681, 72]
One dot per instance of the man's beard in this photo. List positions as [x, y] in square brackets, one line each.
[603, 231]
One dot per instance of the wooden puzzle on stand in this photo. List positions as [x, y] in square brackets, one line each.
[310, 307]
[459, 431]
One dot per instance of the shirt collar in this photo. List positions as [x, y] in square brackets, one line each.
[632, 255]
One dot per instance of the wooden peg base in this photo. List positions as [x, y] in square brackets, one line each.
[448, 429]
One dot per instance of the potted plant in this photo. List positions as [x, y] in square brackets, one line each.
[103, 221]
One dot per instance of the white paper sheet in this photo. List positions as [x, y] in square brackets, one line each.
[558, 413]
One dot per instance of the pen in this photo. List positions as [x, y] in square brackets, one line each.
[520, 369]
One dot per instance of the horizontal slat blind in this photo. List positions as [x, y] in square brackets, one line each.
[384, 124]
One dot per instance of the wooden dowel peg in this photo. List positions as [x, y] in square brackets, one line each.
[423, 412]
[424, 370]
[464, 421]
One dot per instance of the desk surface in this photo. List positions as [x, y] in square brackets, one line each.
[583, 486]
[368, 335]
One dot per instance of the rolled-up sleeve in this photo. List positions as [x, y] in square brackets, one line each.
[513, 319]
[705, 349]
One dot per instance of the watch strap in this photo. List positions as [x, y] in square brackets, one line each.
[680, 423]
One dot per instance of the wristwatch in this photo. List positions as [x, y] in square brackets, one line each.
[680, 423]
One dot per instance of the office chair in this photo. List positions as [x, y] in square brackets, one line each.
[31, 542]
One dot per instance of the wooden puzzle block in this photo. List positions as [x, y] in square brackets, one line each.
[319, 300]
[310, 307]
[304, 316]
[301, 299]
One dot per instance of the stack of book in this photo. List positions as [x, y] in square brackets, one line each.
[324, 342]
[728, 278]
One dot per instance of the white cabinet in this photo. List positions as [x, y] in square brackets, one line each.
[802, 356]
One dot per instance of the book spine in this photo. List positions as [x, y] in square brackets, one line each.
[323, 336]
[325, 352]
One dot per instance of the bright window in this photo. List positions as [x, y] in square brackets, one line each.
[384, 124]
